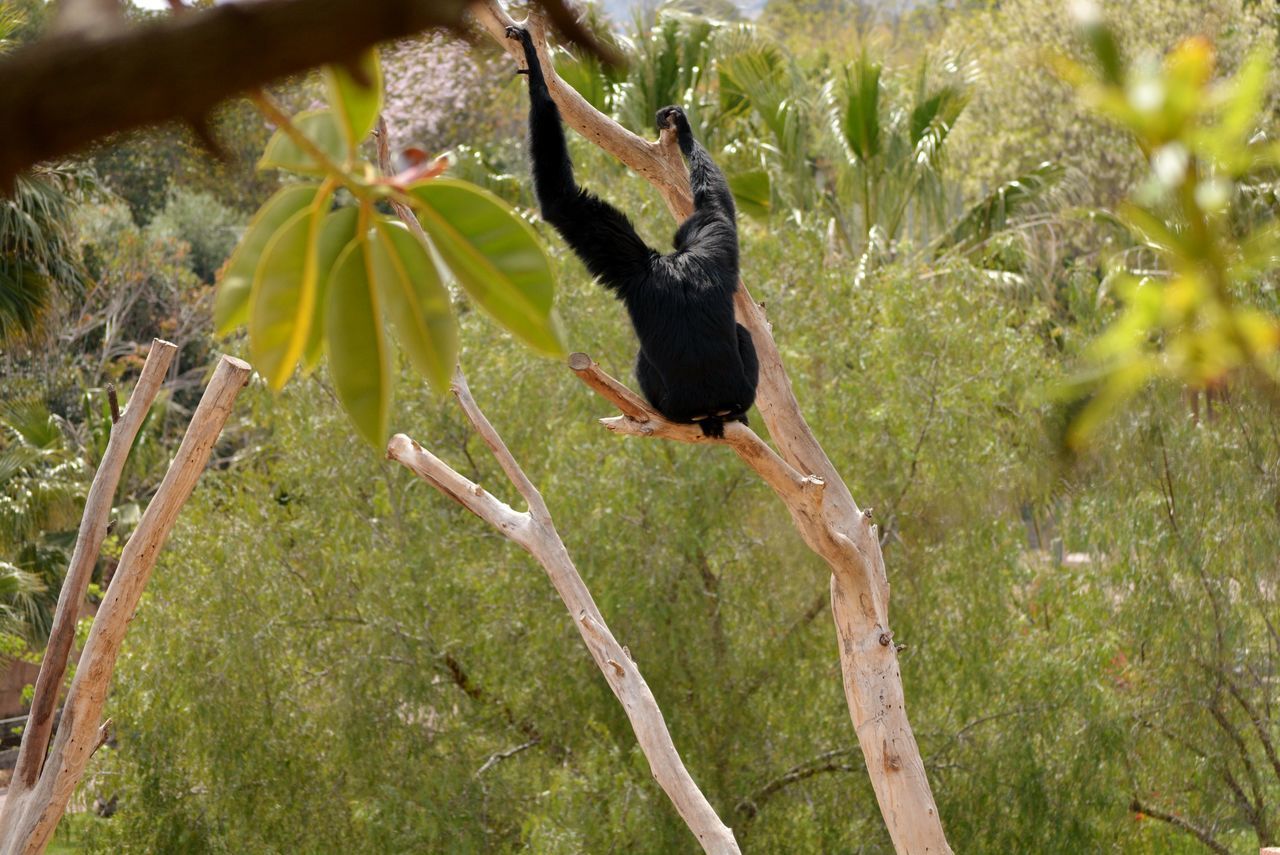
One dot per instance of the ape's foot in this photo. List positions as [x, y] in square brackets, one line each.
[712, 426]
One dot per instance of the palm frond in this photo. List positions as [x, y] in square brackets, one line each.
[37, 250]
[994, 212]
[24, 293]
[858, 119]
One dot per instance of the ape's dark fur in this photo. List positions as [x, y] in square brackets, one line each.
[696, 364]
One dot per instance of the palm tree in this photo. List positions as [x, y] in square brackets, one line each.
[37, 255]
[894, 153]
[42, 487]
[37, 251]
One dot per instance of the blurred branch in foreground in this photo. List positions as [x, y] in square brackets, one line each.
[74, 88]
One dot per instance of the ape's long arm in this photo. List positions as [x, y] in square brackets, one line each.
[600, 234]
[710, 235]
[706, 180]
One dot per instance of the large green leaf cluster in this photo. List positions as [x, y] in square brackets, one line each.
[312, 276]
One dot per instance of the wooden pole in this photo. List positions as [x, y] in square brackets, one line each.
[93, 530]
[30, 816]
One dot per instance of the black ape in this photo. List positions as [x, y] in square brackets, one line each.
[696, 364]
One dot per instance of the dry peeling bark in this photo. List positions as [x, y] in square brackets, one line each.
[42, 785]
[821, 506]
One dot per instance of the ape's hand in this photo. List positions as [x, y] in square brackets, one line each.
[673, 118]
[520, 34]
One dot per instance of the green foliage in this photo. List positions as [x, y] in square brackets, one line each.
[356, 101]
[205, 224]
[896, 153]
[142, 167]
[42, 482]
[1023, 114]
[358, 349]
[330, 653]
[297, 251]
[495, 256]
[37, 261]
[231, 308]
[996, 211]
[670, 64]
[1197, 318]
[859, 111]
[325, 131]
[417, 301]
[282, 302]
[365, 620]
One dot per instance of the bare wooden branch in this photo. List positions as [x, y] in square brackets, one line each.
[832, 524]
[537, 507]
[64, 92]
[31, 813]
[499, 756]
[1182, 824]
[606, 387]
[639, 419]
[93, 530]
[536, 533]
[830, 761]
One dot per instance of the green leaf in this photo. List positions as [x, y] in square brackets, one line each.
[359, 360]
[936, 113]
[751, 192]
[495, 256]
[356, 104]
[994, 212]
[231, 307]
[416, 299]
[860, 113]
[337, 230]
[322, 128]
[284, 295]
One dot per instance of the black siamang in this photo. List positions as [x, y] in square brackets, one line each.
[696, 363]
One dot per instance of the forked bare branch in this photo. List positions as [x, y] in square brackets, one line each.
[33, 808]
[821, 505]
[535, 531]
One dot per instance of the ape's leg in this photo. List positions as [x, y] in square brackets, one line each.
[600, 234]
[651, 382]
